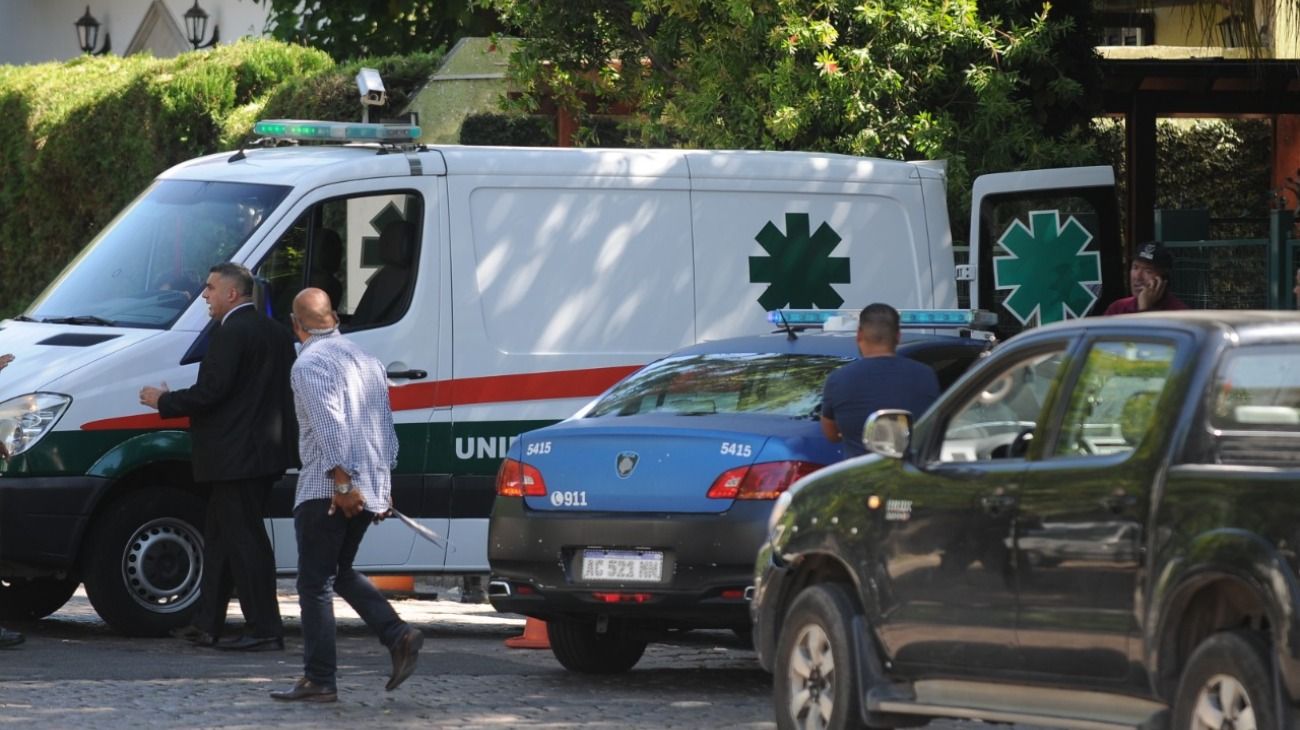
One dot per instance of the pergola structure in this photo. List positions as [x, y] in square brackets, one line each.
[1142, 90]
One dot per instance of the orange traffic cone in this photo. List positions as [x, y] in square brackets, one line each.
[534, 636]
[394, 584]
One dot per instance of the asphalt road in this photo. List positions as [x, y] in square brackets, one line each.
[73, 672]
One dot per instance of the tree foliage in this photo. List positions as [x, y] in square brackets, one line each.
[349, 29]
[994, 85]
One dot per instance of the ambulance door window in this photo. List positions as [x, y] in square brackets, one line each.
[376, 267]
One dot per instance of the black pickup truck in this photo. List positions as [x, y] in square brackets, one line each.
[1096, 527]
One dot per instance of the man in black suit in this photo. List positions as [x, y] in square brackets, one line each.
[244, 434]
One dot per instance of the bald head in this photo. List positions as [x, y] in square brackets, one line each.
[313, 311]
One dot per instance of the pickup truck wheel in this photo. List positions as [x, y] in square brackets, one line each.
[143, 561]
[814, 687]
[29, 599]
[579, 648]
[1227, 684]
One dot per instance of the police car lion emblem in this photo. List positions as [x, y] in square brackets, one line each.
[625, 463]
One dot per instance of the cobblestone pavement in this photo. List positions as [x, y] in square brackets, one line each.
[73, 672]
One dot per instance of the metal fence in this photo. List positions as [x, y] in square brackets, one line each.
[1238, 273]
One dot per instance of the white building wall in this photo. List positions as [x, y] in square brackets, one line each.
[34, 31]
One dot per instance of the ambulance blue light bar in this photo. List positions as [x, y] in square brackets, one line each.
[311, 131]
[915, 318]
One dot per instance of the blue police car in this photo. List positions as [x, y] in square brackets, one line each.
[642, 515]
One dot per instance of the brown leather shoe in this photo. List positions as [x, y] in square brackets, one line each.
[305, 690]
[10, 638]
[252, 643]
[404, 651]
[194, 635]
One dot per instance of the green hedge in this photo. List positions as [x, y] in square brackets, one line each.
[80, 139]
[1222, 165]
[510, 130]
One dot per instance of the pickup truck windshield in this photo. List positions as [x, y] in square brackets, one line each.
[151, 262]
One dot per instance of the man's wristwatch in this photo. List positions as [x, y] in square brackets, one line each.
[343, 488]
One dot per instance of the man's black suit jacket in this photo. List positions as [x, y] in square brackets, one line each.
[242, 421]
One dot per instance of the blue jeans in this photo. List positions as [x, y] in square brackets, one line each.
[327, 545]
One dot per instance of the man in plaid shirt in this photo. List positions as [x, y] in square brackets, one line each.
[348, 447]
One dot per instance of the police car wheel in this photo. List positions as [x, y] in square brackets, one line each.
[579, 647]
[144, 560]
[29, 599]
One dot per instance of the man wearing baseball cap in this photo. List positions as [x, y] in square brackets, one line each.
[1148, 278]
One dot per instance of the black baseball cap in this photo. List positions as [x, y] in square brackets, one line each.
[1154, 253]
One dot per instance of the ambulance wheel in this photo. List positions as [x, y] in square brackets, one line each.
[143, 561]
[580, 648]
[29, 599]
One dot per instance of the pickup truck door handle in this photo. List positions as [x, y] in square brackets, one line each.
[1119, 503]
[999, 503]
[408, 374]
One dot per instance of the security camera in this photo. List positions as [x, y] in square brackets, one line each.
[371, 88]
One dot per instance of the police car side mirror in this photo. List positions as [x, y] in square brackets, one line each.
[888, 432]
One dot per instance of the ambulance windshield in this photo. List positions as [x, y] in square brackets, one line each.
[151, 262]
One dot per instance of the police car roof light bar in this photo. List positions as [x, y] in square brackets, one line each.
[847, 319]
[301, 130]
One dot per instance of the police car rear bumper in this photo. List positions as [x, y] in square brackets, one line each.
[42, 520]
[707, 570]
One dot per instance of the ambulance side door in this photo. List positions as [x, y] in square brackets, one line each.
[375, 246]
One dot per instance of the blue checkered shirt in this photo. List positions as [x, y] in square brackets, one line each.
[344, 419]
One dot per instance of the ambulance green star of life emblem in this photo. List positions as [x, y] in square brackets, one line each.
[798, 267]
[1049, 273]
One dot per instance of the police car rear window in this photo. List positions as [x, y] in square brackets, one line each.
[695, 385]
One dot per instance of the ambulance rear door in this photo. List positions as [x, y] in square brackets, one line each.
[1045, 245]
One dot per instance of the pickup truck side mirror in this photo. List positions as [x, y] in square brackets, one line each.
[888, 433]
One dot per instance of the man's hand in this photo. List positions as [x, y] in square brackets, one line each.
[381, 516]
[831, 430]
[1151, 293]
[5, 360]
[350, 504]
[149, 395]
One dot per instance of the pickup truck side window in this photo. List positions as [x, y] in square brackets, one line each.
[999, 419]
[1254, 415]
[1114, 401]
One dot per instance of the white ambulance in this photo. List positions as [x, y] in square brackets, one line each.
[504, 288]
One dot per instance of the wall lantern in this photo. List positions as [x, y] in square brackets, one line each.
[196, 26]
[88, 34]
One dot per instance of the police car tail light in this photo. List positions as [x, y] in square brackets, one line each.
[517, 479]
[760, 481]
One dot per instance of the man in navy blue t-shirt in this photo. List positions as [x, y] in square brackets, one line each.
[879, 379]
